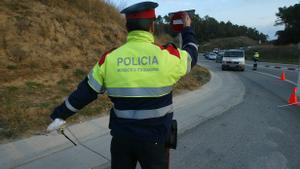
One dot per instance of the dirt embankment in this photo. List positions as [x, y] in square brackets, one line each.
[40, 39]
[46, 48]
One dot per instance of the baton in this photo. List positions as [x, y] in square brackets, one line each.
[63, 133]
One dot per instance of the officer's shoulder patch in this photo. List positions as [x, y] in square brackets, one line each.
[103, 57]
[171, 48]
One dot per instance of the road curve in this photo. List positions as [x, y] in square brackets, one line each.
[226, 90]
[255, 134]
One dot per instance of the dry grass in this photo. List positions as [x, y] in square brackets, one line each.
[195, 79]
[46, 48]
[25, 110]
[42, 38]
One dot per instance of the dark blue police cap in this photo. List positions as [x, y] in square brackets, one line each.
[143, 10]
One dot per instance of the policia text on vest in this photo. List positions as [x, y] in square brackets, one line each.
[138, 77]
[130, 64]
[136, 61]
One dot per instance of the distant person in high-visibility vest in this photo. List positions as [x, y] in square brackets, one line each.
[255, 59]
[138, 77]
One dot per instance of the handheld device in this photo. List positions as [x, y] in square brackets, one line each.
[176, 19]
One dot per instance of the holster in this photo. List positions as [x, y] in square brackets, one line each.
[172, 138]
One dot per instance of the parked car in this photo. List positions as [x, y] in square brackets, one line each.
[206, 55]
[212, 56]
[234, 59]
[220, 56]
[216, 50]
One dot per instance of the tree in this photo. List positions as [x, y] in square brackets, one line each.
[290, 18]
[207, 28]
[167, 19]
[159, 20]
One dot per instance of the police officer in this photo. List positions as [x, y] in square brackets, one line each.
[138, 77]
[255, 59]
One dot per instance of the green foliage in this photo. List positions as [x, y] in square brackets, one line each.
[63, 82]
[159, 20]
[277, 54]
[11, 67]
[33, 85]
[207, 28]
[22, 23]
[65, 66]
[290, 18]
[12, 89]
[63, 86]
[79, 73]
[227, 43]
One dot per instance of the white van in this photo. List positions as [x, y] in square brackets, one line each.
[234, 59]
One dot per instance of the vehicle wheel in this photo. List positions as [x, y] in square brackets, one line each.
[223, 68]
[243, 69]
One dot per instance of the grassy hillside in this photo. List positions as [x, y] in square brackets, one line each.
[46, 48]
[227, 43]
[53, 36]
[278, 54]
[268, 53]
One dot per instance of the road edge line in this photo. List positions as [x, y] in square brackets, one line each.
[276, 77]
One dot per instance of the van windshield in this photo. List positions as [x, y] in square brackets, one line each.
[234, 54]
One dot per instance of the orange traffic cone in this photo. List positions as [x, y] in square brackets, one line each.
[282, 77]
[293, 99]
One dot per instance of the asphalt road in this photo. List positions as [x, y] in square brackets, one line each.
[255, 134]
[291, 75]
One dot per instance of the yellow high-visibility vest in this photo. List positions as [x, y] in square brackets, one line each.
[139, 68]
[256, 55]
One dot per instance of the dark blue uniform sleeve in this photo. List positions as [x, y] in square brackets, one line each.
[79, 98]
[189, 43]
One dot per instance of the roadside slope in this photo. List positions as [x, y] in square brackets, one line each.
[46, 48]
[190, 109]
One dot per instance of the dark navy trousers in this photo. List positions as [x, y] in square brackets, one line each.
[125, 153]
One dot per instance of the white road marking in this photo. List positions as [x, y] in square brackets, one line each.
[289, 105]
[277, 77]
[270, 68]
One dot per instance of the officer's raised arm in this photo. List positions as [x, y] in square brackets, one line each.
[189, 42]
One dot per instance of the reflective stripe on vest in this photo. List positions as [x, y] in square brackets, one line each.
[143, 114]
[93, 83]
[139, 92]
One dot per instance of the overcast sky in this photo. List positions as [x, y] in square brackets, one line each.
[252, 13]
